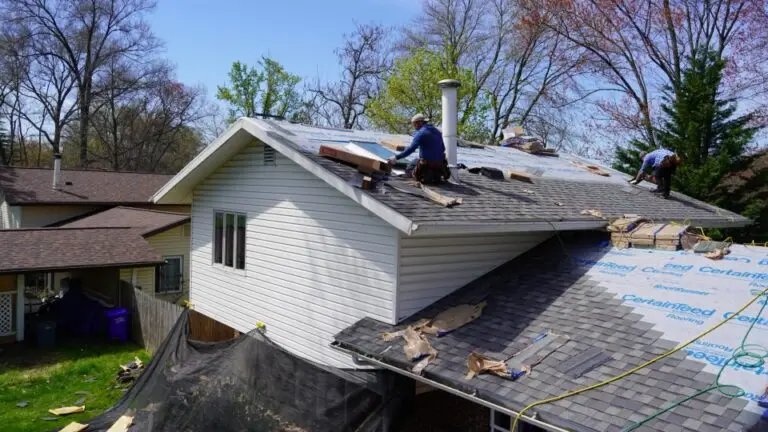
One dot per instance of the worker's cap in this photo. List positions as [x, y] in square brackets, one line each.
[419, 118]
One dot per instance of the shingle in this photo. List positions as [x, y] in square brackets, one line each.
[33, 185]
[525, 302]
[68, 248]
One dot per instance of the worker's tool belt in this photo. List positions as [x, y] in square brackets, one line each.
[670, 161]
[432, 172]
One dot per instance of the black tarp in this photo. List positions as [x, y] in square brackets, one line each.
[245, 384]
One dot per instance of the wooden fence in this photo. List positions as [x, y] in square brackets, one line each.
[153, 318]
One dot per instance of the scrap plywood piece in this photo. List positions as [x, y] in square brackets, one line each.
[519, 176]
[74, 427]
[363, 163]
[394, 144]
[67, 410]
[439, 198]
[122, 424]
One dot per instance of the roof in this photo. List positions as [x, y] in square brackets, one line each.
[146, 221]
[70, 248]
[24, 186]
[555, 202]
[632, 305]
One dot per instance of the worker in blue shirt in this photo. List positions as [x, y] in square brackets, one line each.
[664, 164]
[431, 164]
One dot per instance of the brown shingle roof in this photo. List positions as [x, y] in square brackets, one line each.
[145, 220]
[67, 248]
[35, 186]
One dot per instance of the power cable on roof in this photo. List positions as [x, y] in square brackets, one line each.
[745, 351]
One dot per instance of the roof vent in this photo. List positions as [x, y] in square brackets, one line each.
[269, 156]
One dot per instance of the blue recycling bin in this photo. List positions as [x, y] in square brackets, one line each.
[118, 324]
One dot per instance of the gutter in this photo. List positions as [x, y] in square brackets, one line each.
[360, 359]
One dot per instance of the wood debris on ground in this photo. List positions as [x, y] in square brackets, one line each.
[67, 410]
[122, 424]
[74, 427]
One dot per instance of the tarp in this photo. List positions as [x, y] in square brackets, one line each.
[684, 294]
[245, 384]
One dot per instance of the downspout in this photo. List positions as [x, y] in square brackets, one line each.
[361, 360]
[449, 89]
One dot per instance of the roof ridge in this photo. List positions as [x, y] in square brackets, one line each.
[66, 228]
[95, 170]
[148, 210]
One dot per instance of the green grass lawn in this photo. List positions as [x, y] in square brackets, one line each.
[53, 378]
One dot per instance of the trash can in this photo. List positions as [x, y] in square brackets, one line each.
[118, 327]
[46, 334]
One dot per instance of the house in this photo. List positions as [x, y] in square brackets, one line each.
[144, 248]
[28, 197]
[287, 238]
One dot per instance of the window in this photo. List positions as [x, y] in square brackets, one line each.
[229, 239]
[170, 275]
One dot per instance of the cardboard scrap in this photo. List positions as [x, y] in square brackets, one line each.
[122, 424]
[74, 427]
[454, 318]
[67, 410]
[478, 363]
[417, 346]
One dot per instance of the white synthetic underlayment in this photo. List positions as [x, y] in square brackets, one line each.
[311, 138]
[684, 294]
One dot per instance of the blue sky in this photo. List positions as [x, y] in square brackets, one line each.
[204, 37]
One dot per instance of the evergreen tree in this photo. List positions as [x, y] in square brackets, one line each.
[700, 127]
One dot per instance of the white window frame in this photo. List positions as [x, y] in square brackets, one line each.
[224, 245]
[181, 280]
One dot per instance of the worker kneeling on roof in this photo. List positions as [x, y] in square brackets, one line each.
[664, 163]
[431, 167]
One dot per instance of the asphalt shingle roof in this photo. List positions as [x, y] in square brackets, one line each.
[68, 248]
[544, 290]
[35, 186]
[146, 221]
[497, 201]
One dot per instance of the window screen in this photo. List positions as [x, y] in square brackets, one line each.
[229, 240]
[218, 237]
[240, 242]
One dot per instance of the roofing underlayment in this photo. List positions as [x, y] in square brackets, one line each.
[146, 221]
[560, 192]
[621, 308]
[38, 249]
[35, 186]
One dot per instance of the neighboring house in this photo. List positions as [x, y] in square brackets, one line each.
[144, 248]
[282, 236]
[28, 198]
[167, 233]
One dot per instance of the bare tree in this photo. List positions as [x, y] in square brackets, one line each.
[148, 128]
[638, 47]
[84, 36]
[364, 60]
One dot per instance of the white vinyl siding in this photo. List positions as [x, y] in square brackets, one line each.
[33, 216]
[435, 266]
[316, 262]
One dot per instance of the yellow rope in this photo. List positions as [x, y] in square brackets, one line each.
[633, 370]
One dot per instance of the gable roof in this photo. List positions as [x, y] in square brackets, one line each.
[555, 202]
[45, 249]
[24, 186]
[145, 221]
[627, 305]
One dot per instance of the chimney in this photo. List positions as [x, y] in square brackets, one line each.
[56, 171]
[450, 121]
